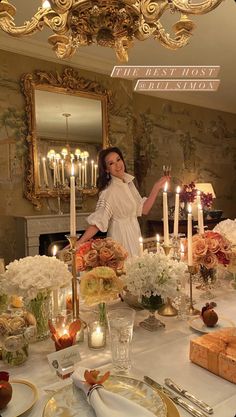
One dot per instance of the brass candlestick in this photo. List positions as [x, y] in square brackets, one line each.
[75, 297]
[191, 311]
[166, 249]
[167, 309]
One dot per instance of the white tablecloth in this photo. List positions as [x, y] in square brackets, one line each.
[160, 354]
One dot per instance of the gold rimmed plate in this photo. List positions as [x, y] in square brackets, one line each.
[24, 396]
[197, 324]
[71, 401]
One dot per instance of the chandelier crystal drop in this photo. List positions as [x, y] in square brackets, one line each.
[110, 23]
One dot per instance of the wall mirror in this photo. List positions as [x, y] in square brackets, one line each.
[67, 126]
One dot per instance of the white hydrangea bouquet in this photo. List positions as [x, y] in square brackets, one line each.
[34, 278]
[152, 278]
[153, 274]
[28, 276]
[227, 228]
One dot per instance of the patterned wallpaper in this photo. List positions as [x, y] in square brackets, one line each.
[200, 144]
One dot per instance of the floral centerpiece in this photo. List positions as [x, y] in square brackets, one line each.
[152, 278]
[33, 278]
[101, 252]
[210, 250]
[100, 285]
[228, 229]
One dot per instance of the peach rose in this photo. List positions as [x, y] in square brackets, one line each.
[79, 263]
[199, 246]
[213, 244]
[225, 245]
[91, 258]
[98, 244]
[119, 252]
[106, 254]
[115, 264]
[209, 260]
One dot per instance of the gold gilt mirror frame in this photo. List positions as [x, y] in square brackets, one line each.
[90, 103]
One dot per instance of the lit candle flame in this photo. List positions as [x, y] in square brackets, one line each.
[158, 238]
[178, 189]
[54, 250]
[189, 208]
[166, 187]
[72, 170]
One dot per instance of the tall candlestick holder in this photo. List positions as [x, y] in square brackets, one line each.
[75, 297]
[191, 310]
[167, 309]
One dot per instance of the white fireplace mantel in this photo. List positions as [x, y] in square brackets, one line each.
[29, 228]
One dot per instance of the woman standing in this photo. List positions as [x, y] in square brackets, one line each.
[119, 202]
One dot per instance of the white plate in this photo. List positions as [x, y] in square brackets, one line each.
[24, 396]
[197, 324]
[71, 401]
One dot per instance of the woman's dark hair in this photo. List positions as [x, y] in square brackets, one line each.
[104, 178]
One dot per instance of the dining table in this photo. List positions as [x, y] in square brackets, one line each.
[159, 354]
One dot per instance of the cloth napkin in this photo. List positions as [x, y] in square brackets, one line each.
[106, 403]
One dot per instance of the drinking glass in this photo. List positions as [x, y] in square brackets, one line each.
[120, 324]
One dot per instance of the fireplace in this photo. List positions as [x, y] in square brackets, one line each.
[35, 234]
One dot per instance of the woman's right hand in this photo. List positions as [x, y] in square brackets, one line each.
[160, 184]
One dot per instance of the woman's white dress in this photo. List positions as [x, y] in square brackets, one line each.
[116, 213]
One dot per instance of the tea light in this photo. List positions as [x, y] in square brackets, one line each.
[96, 335]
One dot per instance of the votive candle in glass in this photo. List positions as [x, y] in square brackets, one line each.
[96, 335]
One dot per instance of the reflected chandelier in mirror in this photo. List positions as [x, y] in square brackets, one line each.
[67, 126]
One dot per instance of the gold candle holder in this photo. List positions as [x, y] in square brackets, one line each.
[166, 248]
[167, 309]
[75, 297]
[191, 310]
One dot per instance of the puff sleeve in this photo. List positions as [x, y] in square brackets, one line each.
[138, 199]
[102, 214]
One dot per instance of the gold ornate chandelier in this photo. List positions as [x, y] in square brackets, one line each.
[111, 23]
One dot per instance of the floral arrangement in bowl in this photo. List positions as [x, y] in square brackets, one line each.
[28, 276]
[153, 274]
[100, 285]
[101, 252]
[210, 250]
[33, 278]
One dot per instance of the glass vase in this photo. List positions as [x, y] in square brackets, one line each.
[41, 308]
[15, 349]
[152, 304]
[207, 281]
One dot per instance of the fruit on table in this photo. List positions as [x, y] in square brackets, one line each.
[208, 314]
[5, 390]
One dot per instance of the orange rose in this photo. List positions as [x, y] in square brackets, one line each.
[225, 245]
[209, 260]
[105, 255]
[79, 263]
[83, 249]
[199, 246]
[91, 258]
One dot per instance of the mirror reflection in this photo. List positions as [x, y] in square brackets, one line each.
[67, 126]
[69, 137]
